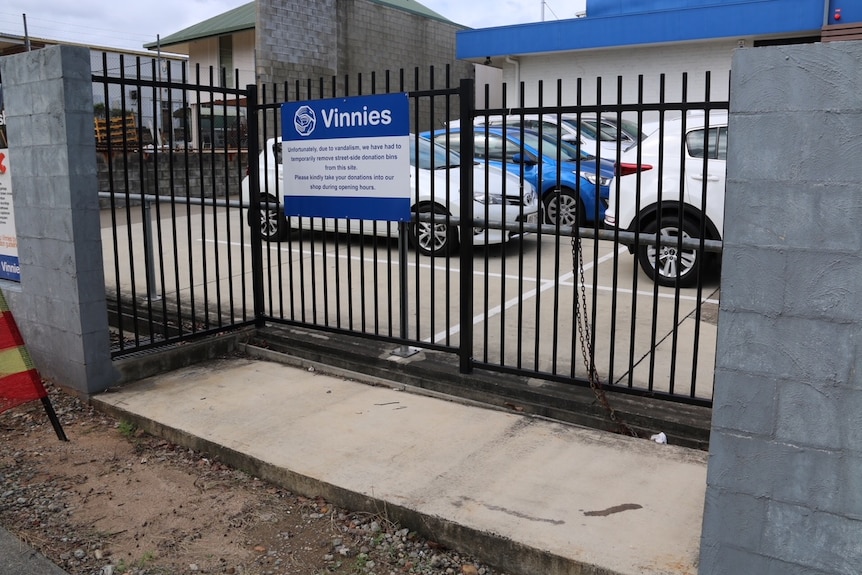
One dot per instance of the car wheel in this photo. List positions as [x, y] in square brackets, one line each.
[564, 205]
[273, 224]
[666, 264]
[433, 238]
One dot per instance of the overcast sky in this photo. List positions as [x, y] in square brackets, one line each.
[130, 25]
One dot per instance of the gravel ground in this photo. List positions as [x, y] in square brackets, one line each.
[113, 501]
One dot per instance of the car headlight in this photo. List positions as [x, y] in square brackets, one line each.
[489, 199]
[593, 179]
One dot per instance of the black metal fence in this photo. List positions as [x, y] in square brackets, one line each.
[514, 274]
[171, 155]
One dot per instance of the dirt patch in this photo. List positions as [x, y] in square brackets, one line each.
[114, 500]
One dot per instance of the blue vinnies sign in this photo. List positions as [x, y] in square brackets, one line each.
[347, 157]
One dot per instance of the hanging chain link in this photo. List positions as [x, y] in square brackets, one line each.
[584, 334]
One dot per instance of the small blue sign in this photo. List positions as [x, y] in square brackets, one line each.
[10, 269]
[347, 157]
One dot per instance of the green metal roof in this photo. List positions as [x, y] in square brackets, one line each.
[244, 18]
[241, 18]
[414, 7]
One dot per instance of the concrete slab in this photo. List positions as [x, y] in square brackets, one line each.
[18, 558]
[538, 494]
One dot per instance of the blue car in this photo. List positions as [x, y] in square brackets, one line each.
[568, 195]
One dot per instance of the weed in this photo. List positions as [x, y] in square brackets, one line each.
[127, 429]
[141, 563]
[361, 561]
[147, 557]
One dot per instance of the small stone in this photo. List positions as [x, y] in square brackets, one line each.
[469, 570]
[193, 567]
[107, 570]
[80, 553]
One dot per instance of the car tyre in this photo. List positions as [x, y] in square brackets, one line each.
[666, 264]
[433, 238]
[563, 204]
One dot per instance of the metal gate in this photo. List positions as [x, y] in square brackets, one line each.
[171, 152]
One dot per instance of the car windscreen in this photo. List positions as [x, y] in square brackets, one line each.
[587, 129]
[631, 128]
[553, 148]
[432, 155]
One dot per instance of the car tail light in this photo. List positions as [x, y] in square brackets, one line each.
[624, 169]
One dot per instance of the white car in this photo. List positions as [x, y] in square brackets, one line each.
[673, 185]
[507, 200]
[595, 132]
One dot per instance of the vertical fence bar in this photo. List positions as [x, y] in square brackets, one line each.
[468, 109]
[152, 289]
[403, 289]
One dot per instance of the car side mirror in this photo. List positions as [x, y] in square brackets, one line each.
[521, 159]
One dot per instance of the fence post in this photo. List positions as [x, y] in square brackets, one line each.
[254, 203]
[468, 107]
[149, 256]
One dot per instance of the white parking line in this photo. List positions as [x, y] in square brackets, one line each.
[545, 285]
[646, 293]
[306, 252]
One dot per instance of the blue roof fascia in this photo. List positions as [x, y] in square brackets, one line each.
[760, 18]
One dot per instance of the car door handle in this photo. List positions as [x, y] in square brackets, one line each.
[709, 177]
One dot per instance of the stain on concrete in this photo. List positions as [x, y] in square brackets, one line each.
[612, 510]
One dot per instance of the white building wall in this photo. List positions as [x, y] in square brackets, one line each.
[243, 57]
[609, 64]
[203, 53]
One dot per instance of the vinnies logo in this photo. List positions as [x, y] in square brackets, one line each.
[304, 120]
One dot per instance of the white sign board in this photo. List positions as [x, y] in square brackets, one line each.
[347, 157]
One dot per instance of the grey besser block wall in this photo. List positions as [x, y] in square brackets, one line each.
[296, 40]
[59, 305]
[783, 492]
[328, 40]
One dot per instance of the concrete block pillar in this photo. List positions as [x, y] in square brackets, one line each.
[60, 304]
[784, 494]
